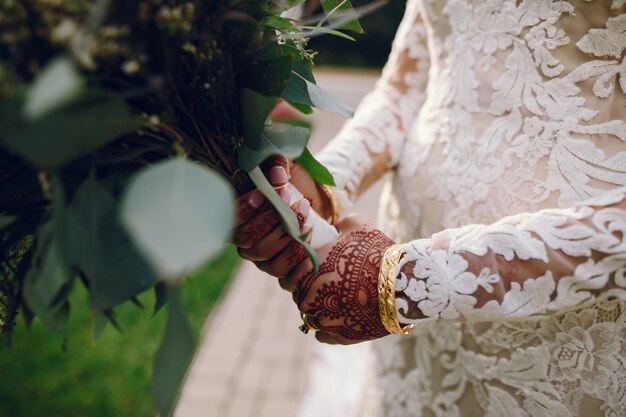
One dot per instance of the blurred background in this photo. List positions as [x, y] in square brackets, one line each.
[252, 360]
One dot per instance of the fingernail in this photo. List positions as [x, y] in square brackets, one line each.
[285, 193]
[278, 175]
[304, 206]
[256, 199]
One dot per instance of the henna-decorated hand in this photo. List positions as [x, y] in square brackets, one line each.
[342, 300]
[259, 234]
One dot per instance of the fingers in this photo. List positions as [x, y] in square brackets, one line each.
[262, 223]
[277, 169]
[292, 253]
[247, 206]
[324, 337]
[285, 261]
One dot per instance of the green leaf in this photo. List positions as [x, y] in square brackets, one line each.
[55, 274]
[173, 357]
[276, 138]
[98, 324]
[6, 220]
[55, 317]
[99, 247]
[255, 109]
[296, 90]
[267, 77]
[323, 100]
[160, 297]
[58, 84]
[179, 213]
[316, 30]
[290, 222]
[301, 90]
[303, 108]
[89, 121]
[316, 170]
[279, 23]
[340, 9]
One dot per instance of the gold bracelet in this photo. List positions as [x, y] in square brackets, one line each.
[330, 193]
[387, 291]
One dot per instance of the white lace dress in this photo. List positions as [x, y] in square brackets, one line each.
[504, 124]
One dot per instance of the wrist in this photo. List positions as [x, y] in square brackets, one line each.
[329, 206]
[387, 291]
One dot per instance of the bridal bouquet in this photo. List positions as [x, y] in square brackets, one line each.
[124, 128]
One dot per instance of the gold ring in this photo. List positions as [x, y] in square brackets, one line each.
[304, 328]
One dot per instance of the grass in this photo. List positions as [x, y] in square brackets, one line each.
[47, 374]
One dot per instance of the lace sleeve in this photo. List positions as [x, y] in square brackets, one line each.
[525, 265]
[370, 143]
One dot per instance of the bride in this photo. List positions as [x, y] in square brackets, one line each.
[503, 259]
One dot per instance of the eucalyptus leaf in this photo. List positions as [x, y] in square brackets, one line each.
[6, 220]
[99, 247]
[276, 138]
[290, 222]
[316, 170]
[338, 9]
[173, 357]
[178, 213]
[58, 84]
[255, 110]
[302, 91]
[323, 100]
[89, 121]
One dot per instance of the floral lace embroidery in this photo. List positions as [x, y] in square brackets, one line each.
[509, 107]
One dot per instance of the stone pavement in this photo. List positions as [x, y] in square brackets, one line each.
[253, 361]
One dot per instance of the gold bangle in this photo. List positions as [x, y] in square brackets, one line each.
[387, 291]
[330, 193]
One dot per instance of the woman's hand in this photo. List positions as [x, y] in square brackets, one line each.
[259, 234]
[342, 299]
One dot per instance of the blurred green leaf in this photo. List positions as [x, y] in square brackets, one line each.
[268, 77]
[301, 90]
[341, 10]
[316, 170]
[100, 248]
[279, 23]
[55, 317]
[290, 222]
[303, 108]
[58, 84]
[173, 357]
[317, 30]
[276, 138]
[160, 297]
[6, 220]
[179, 213]
[255, 109]
[55, 274]
[98, 323]
[323, 100]
[89, 121]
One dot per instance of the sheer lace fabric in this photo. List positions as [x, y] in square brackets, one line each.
[503, 122]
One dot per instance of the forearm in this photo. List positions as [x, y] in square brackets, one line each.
[371, 143]
[522, 266]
